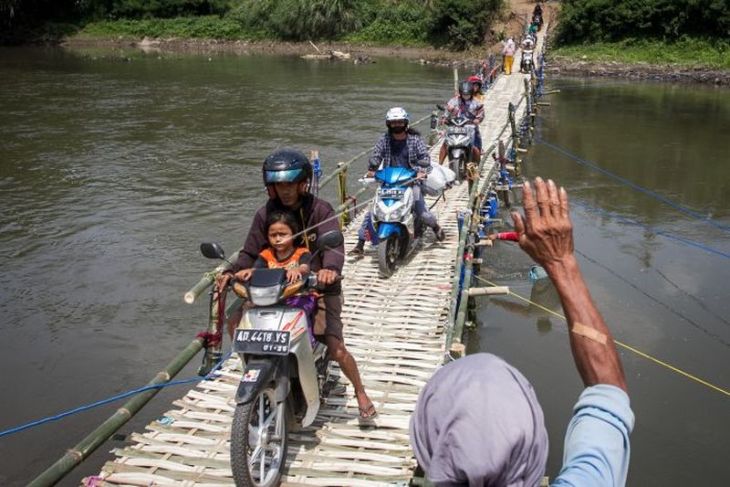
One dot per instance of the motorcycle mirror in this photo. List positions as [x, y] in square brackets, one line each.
[330, 240]
[440, 107]
[212, 250]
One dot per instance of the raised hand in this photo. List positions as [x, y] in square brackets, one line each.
[545, 232]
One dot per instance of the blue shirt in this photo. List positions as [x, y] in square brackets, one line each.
[597, 448]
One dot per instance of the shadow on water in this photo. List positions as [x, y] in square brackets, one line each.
[656, 293]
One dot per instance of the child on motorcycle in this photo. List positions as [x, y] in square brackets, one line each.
[284, 251]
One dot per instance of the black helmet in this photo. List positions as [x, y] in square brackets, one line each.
[465, 88]
[286, 166]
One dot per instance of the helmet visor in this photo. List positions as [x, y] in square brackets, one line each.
[288, 176]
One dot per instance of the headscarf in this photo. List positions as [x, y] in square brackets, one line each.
[478, 422]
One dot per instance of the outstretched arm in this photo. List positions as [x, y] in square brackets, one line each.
[546, 234]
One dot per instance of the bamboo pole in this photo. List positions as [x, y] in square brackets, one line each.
[208, 279]
[488, 291]
[85, 447]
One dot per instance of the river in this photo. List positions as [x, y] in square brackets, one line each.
[115, 165]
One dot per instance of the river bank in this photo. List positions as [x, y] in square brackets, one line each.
[424, 55]
[559, 65]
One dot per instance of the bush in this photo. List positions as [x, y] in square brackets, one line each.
[462, 23]
[137, 9]
[667, 20]
[298, 19]
[403, 23]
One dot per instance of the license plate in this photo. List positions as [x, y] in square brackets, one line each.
[391, 193]
[261, 342]
[458, 130]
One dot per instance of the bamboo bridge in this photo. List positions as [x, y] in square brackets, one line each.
[400, 330]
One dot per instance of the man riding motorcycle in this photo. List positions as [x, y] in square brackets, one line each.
[287, 175]
[401, 146]
[466, 106]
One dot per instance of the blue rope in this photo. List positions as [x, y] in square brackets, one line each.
[683, 209]
[102, 402]
[657, 231]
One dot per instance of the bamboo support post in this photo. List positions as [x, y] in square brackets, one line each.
[342, 189]
[488, 291]
[513, 126]
[85, 447]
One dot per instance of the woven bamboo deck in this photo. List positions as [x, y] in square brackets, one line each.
[393, 328]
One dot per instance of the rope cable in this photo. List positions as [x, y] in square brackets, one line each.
[657, 231]
[653, 194]
[622, 344]
[131, 392]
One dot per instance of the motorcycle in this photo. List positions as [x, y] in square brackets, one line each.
[459, 141]
[393, 226]
[537, 19]
[526, 63]
[285, 372]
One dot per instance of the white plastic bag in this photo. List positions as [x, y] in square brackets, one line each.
[437, 180]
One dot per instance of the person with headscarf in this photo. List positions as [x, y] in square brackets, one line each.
[478, 422]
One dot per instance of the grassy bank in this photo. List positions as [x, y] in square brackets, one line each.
[455, 24]
[208, 27]
[686, 53]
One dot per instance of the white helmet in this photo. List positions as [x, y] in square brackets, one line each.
[396, 113]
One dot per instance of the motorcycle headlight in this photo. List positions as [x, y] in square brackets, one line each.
[264, 296]
[380, 213]
[390, 213]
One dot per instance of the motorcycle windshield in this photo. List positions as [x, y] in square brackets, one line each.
[395, 175]
[265, 286]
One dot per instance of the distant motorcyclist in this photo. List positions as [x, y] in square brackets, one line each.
[477, 83]
[401, 146]
[466, 106]
[528, 43]
[537, 16]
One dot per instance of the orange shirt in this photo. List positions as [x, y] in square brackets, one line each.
[268, 256]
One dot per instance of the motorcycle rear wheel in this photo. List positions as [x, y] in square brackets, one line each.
[259, 441]
[388, 253]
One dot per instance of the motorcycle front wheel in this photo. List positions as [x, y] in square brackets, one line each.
[388, 253]
[458, 165]
[259, 441]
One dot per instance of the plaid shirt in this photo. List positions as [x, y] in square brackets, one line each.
[417, 153]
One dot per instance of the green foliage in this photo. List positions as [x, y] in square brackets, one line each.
[298, 19]
[208, 27]
[454, 23]
[137, 9]
[404, 23]
[461, 23]
[669, 20]
[687, 52]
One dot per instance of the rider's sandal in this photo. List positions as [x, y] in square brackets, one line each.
[368, 412]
